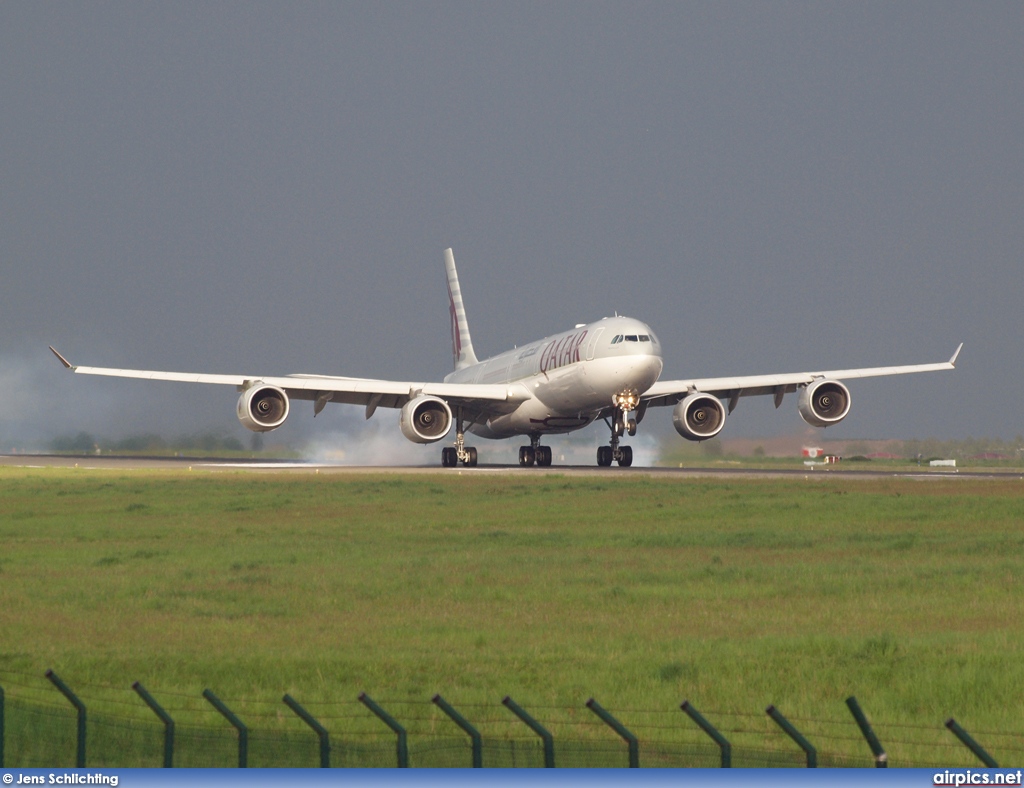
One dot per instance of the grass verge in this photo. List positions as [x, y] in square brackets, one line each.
[637, 591]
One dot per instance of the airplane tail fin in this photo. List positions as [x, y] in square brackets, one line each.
[462, 345]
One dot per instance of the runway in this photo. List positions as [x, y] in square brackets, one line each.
[263, 465]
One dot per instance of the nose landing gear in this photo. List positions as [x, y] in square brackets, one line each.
[621, 424]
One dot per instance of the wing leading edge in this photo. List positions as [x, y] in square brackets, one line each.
[352, 391]
[669, 392]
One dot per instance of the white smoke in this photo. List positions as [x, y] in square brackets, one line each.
[580, 448]
[351, 440]
[347, 438]
[40, 400]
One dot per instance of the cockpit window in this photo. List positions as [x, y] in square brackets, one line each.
[654, 339]
[631, 338]
[617, 339]
[645, 338]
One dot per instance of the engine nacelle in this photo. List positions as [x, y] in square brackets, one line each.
[426, 419]
[824, 403]
[699, 417]
[263, 408]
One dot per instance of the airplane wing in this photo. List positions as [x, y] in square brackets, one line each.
[324, 388]
[669, 392]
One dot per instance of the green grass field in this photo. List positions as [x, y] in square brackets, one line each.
[637, 591]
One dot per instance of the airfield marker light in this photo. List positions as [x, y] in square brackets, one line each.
[67, 693]
[795, 735]
[320, 730]
[536, 727]
[619, 728]
[243, 732]
[881, 759]
[972, 745]
[391, 722]
[165, 718]
[462, 722]
[710, 730]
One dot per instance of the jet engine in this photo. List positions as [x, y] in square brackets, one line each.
[426, 419]
[824, 402]
[699, 417]
[263, 408]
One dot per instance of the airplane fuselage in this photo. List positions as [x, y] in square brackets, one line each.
[567, 379]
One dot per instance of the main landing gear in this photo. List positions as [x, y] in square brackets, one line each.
[622, 424]
[535, 453]
[460, 452]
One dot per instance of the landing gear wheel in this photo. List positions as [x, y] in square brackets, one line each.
[526, 456]
[470, 460]
[604, 456]
[631, 427]
[543, 456]
[625, 456]
[449, 457]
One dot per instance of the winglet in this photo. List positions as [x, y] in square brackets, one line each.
[64, 361]
[952, 360]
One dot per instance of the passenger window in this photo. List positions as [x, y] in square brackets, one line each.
[631, 338]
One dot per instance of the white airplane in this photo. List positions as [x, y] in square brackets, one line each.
[607, 370]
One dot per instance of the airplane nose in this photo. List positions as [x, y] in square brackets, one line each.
[654, 366]
[647, 370]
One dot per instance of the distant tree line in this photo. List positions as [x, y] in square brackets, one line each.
[673, 450]
[963, 449]
[86, 443]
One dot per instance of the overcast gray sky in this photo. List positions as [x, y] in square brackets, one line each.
[267, 188]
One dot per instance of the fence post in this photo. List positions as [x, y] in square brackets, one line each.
[320, 730]
[972, 745]
[462, 722]
[710, 730]
[73, 699]
[619, 728]
[243, 732]
[391, 722]
[165, 718]
[795, 735]
[536, 727]
[881, 759]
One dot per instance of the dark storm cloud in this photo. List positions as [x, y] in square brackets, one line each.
[267, 188]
